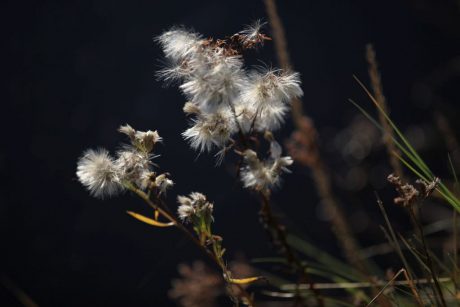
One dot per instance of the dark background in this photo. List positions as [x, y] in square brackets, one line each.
[75, 70]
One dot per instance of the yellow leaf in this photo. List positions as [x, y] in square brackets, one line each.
[157, 213]
[149, 220]
[243, 281]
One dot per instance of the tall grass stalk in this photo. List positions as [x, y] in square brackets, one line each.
[409, 157]
[321, 177]
[377, 88]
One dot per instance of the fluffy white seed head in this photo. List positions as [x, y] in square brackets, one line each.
[246, 116]
[185, 212]
[269, 92]
[252, 32]
[213, 78]
[261, 175]
[193, 205]
[177, 44]
[271, 87]
[217, 83]
[141, 140]
[133, 165]
[271, 117]
[163, 183]
[211, 130]
[97, 172]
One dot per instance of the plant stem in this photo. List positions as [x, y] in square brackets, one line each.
[321, 178]
[440, 296]
[388, 133]
[212, 255]
[278, 235]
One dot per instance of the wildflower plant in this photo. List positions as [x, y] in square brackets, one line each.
[132, 169]
[234, 109]
[107, 176]
[230, 107]
[229, 104]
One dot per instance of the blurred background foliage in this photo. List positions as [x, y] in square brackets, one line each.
[76, 70]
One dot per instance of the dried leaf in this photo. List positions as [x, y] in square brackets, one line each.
[149, 220]
[242, 281]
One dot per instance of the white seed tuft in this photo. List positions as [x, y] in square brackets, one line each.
[97, 172]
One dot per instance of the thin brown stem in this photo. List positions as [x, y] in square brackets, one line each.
[278, 236]
[390, 282]
[377, 88]
[277, 232]
[440, 297]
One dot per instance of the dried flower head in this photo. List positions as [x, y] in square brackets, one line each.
[133, 164]
[427, 188]
[223, 97]
[251, 35]
[261, 175]
[106, 176]
[210, 130]
[97, 171]
[177, 43]
[408, 194]
[163, 183]
[143, 141]
[194, 206]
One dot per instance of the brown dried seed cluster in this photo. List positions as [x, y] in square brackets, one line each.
[408, 194]
[236, 44]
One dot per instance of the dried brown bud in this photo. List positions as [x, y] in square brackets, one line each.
[407, 193]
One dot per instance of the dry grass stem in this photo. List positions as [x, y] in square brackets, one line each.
[377, 88]
[305, 127]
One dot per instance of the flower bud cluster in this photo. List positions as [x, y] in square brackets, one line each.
[224, 97]
[261, 175]
[106, 176]
[194, 207]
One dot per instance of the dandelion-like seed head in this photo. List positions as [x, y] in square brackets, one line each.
[177, 44]
[133, 165]
[211, 130]
[246, 116]
[195, 206]
[163, 183]
[97, 172]
[223, 96]
[143, 141]
[253, 31]
[215, 81]
[261, 175]
[272, 87]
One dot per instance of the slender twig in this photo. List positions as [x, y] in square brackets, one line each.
[277, 231]
[391, 282]
[356, 285]
[377, 88]
[428, 259]
[279, 239]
